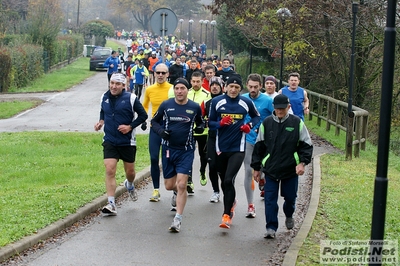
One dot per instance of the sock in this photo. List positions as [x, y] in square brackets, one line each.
[130, 184]
[111, 200]
[178, 216]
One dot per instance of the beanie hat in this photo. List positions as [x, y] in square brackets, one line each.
[182, 81]
[270, 78]
[216, 80]
[235, 79]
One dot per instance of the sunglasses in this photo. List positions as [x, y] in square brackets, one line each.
[160, 72]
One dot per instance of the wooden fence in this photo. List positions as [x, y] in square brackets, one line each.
[335, 113]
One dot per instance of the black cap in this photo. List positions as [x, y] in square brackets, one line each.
[140, 61]
[236, 79]
[281, 101]
[182, 81]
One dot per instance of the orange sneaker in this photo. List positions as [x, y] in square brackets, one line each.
[226, 222]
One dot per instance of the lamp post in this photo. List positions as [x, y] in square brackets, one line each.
[283, 14]
[213, 24]
[190, 29]
[206, 23]
[201, 30]
[180, 30]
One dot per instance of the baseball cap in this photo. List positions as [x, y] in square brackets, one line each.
[281, 101]
[154, 52]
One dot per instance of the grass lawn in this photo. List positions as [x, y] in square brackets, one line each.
[45, 176]
[11, 108]
[58, 80]
[345, 207]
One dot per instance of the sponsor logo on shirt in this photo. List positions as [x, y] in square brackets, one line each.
[179, 118]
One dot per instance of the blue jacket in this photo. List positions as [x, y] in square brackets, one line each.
[120, 110]
[109, 61]
[264, 106]
[230, 138]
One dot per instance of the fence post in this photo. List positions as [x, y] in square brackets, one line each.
[358, 136]
[339, 110]
[364, 131]
[311, 106]
[320, 108]
[349, 136]
[328, 116]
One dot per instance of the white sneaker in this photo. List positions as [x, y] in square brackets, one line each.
[214, 197]
[175, 226]
[109, 210]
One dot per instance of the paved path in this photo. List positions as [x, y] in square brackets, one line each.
[139, 234]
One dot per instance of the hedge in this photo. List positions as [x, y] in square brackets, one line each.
[21, 63]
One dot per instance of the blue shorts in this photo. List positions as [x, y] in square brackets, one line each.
[176, 161]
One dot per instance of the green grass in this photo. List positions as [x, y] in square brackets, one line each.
[114, 45]
[345, 207]
[11, 108]
[61, 79]
[45, 176]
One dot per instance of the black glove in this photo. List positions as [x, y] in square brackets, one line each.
[165, 134]
[199, 129]
[144, 126]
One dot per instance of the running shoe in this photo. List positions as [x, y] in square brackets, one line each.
[214, 197]
[175, 226]
[233, 210]
[203, 179]
[251, 211]
[270, 234]
[190, 187]
[226, 222]
[131, 191]
[289, 222]
[109, 210]
[155, 197]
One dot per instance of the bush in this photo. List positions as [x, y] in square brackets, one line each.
[259, 65]
[5, 69]
[21, 63]
[66, 47]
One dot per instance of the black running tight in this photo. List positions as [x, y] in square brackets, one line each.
[228, 165]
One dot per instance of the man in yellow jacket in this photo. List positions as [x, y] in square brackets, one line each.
[199, 94]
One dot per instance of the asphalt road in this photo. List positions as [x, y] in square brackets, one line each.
[139, 234]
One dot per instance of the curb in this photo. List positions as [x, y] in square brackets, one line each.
[293, 251]
[56, 227]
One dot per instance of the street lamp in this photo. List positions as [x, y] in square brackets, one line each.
[283, 14]
[213, 24]
[201, 30]
[206, 22]
[190, 30]
[181, 21]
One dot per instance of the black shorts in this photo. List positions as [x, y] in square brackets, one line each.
[125, 153]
